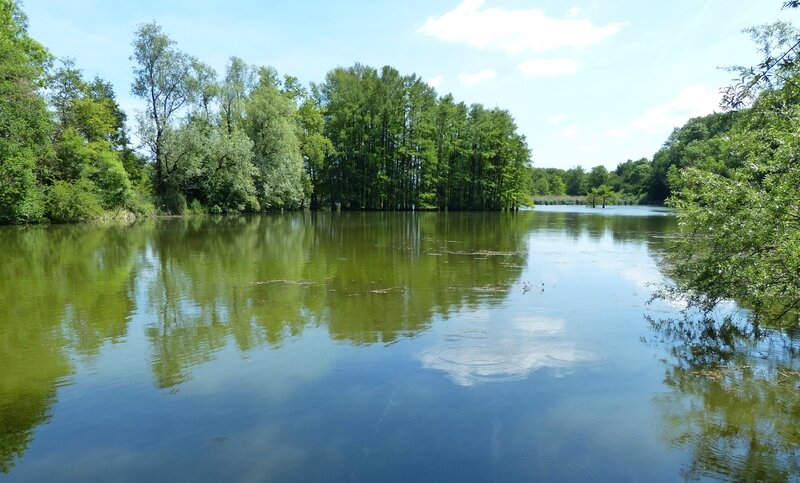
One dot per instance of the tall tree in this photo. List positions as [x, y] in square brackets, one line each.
[270, 124]
[162, 78]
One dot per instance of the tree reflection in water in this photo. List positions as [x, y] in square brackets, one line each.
[734, 400]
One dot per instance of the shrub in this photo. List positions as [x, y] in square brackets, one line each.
[73, 202]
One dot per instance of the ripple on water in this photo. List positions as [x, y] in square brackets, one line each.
[473, 355]
[544, 468]
[576, 356]
[475, 334]
[504, 372]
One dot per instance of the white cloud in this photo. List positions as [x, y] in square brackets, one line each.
[471, 80]
[691, 102]
[436, 81]
[514, 31]
[574, 11]
[548, 67]
[557, 119]
[587, 149]
[571, 132]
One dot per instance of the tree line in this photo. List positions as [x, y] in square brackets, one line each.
[630, 180]
[248, 140]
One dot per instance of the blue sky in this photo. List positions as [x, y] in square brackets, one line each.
[588, 82]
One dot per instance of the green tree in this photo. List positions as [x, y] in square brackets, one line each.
[88, 150]
[270, 124]
[740, 225]
[634, 177]
[602, 194]
[163, 79]
[597, 177]
[575, 179]
[24, 123]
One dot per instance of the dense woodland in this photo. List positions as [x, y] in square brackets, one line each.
[248, 140]
[251, 140]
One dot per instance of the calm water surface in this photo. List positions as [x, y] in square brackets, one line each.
[374, 347]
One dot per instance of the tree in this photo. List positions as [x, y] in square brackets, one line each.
[576, 182]
[86, 161]
[24, 123]
[239, 81]
[634, 177]
[602, 193]
[740, 225]
[314, 147]
[270, 124]
[597, 177]
[162, 78]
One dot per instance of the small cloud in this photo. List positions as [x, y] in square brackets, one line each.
[571, 132]
[435, 81]
[587, 149]
[558, 118]
[548, 67]
[618, 133]
[471, 80]
[574, 11]
[691, 102]
[514, 31]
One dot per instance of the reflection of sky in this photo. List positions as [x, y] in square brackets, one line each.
[487, 352]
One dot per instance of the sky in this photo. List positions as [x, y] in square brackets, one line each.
[588, 82]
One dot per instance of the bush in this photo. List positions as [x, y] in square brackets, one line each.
[196, 208]
[73, 202]
[140, 203]
[172, 202]
[21, 199]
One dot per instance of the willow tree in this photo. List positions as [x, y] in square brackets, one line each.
[162, 78]
[270, 124]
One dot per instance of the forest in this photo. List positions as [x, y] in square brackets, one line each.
[248, 140]
[251, 140]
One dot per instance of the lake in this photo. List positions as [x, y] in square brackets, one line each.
[498, 347]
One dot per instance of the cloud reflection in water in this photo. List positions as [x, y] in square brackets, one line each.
[494, 353]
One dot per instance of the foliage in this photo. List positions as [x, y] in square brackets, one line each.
[250, 141]
[602, 194]
[162, 79]
[271, 125]
[740, 216]
[71, 202]
[24, 123]
[397, 146]
[699, 143]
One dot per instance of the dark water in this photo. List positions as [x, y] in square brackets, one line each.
[375, 347]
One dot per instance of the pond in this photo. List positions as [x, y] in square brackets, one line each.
[504, 347]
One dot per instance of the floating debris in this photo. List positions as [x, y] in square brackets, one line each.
[285, 282]
[483, 253]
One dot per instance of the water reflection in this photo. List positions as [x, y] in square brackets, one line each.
[734, 400]
[486, 352]
[68, 291]
[187, 295]
[366, 278]
[65, 292]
